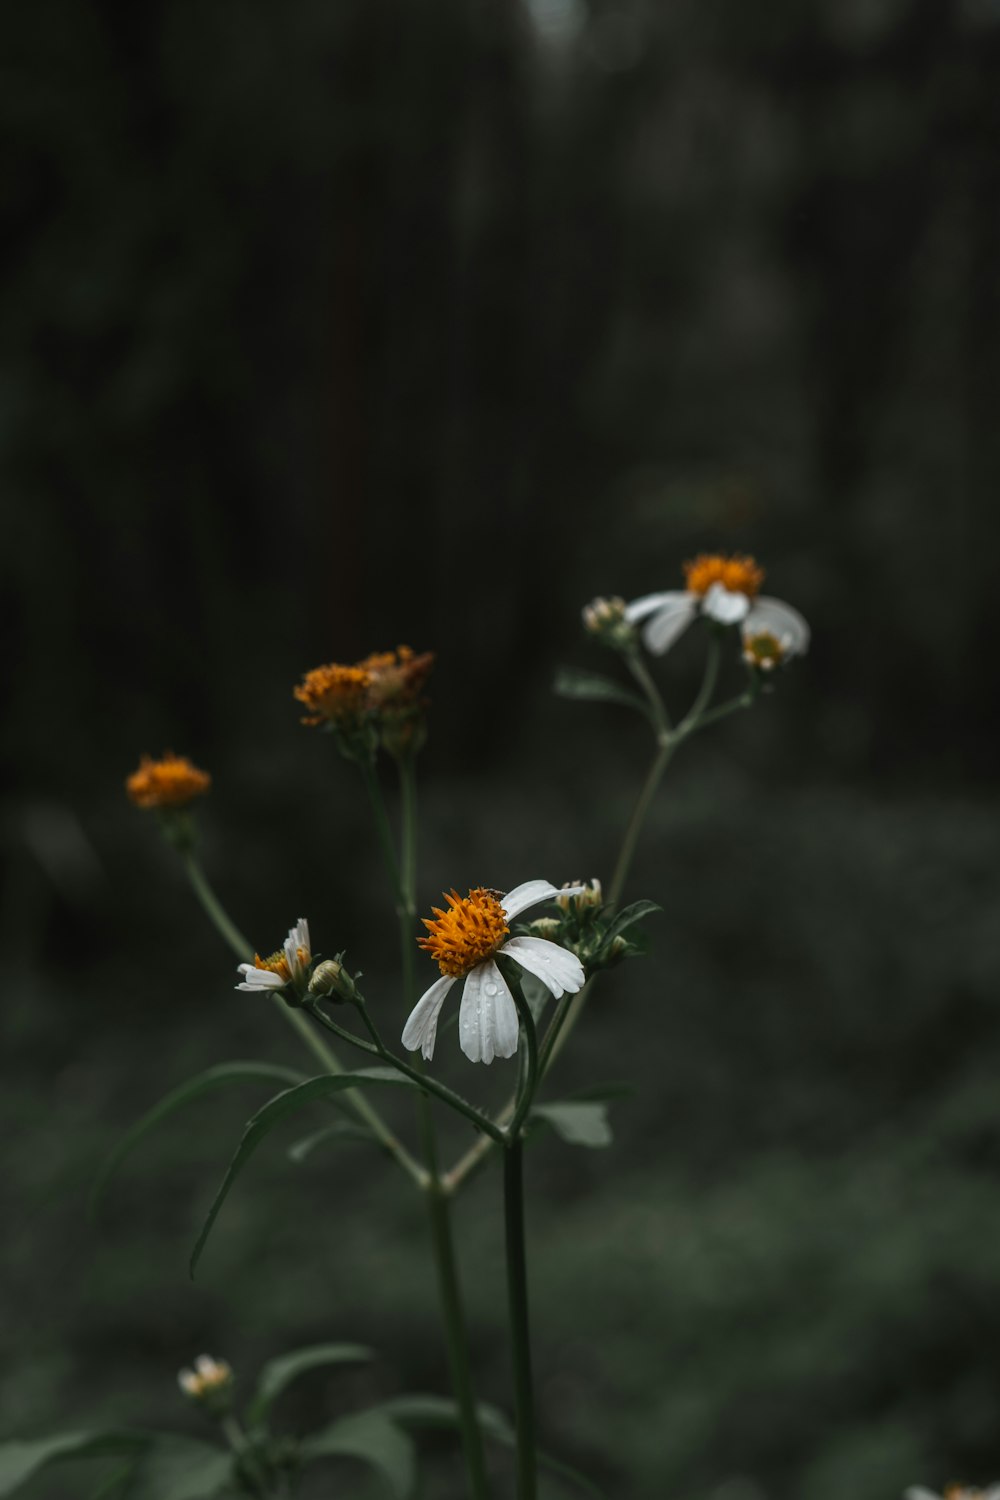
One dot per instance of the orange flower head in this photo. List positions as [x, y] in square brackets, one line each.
[171, 781]
[737, 573]
[276, 963]
[471, 930]
[397, 677]
[334, 694]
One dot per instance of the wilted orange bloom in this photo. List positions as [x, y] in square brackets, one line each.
[171, 781]
[397, 677]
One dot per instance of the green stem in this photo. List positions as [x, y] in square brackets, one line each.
[660, 761]
[327, 1059]
[238, 1442]
[438, 1210]
[517, 1294]
[642, 675]
[692, 719]
[531, 1075]
[384, 832]
[424, 1080]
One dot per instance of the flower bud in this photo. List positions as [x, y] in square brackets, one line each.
[546, 927]
[605, 620]
[591, 895]
[331, 978]
[210, 1382]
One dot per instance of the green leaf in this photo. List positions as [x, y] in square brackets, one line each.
[579, 1122]
[19, 1461]
[628, 918]
[276, 1110]
[373, 1438]
[441, 1411]
[594, 688]
[213, 1078]
[181, 1468]
[279, 1373]
[340, 1130]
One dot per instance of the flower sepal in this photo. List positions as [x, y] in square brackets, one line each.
[179, 827]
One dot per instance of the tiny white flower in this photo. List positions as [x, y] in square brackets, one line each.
[208, 1376]
[288, 965]
[773, 632]
[725, 589]
[466, 940]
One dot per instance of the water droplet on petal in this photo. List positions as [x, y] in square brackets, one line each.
[490, 988]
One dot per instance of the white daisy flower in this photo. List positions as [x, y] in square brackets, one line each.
[726, 589]
[288, 965]
[466, 940]
[773, 632]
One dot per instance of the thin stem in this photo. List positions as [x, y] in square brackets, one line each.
[423, 1080]
[517, 1294]
[692, 719]
[327, 1059]
[238, 1441]
[660, 761]
[641, 673]
[531, 1075]
[384, 832]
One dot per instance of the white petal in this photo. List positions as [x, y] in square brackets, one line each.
[421, 1028]
[529, 894]
[260, 979]
[781, 620]
[486, 1026]
[917, 1492]
[640, 609]
[725, 605]
[559, 970]
[300, 932]
[669, 624]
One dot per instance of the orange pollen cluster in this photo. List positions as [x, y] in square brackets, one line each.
[171, 781]
[334, 693]
[737, 573]
[471, 929]
[277, 963]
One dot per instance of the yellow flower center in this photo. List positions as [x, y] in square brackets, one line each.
[277, 963]
[473, 928]
[962, 1492]
[737, 573]
[763, 650]
[169, 782]
[334, 693]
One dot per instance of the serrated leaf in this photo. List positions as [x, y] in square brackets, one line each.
[181, 1468]
[213, 1078]
[628, 917]
[593, 688]
[578, 1122]
[375, 1440]
[19, 1461]
[340, 1130]
[278, 1109]
[279, 1373]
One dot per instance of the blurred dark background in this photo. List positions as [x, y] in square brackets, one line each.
[332, 326]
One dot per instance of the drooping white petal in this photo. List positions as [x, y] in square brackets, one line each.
[669, 623]
[421, 1028]
[486, 1026]
[559, 970]
[260, 979]
[530, 893]
[727, 606]
[780, 620]
[641, 609]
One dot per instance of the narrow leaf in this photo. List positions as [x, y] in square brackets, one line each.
[628, 918]
[19, 1461]
[593, 688]
[373, 1438]
[340, 1130]
[213, 1078]
[276, 1110]
[279, 1373]
[578, 1122]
